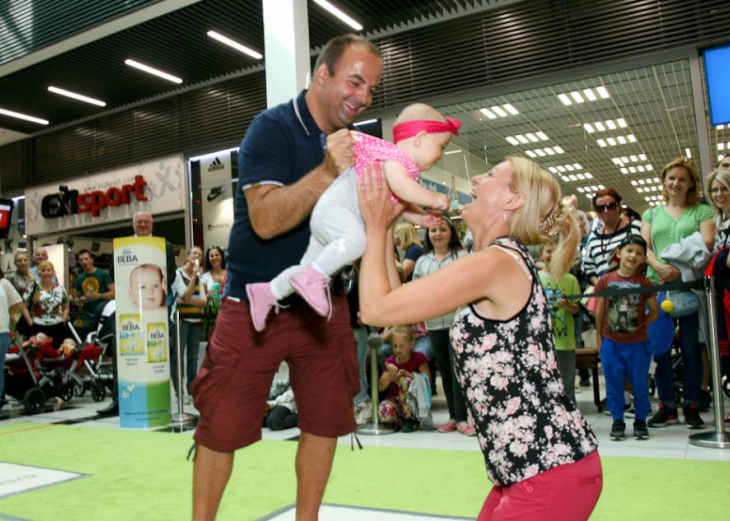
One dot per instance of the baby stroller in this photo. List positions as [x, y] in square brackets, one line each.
[35, 371]
[100, 343]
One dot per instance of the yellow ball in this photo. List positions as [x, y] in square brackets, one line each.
[667, 306]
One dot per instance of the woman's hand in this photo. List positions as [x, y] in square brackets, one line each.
[376, 208]
[667, 273]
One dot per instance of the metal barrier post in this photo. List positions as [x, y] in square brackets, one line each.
[375, 428]
[719, 439]
[180, 418]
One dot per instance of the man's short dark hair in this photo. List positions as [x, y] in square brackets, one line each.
[336, 47]
[79, 254]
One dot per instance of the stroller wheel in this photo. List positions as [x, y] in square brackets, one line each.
[98, 391]
[79, 389]
[67, 391]
[34, 400]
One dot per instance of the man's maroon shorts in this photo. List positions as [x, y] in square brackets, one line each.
[234, 382]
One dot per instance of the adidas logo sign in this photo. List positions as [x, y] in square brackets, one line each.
[215, 165]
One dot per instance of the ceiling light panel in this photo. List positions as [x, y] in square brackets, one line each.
[76, 96]
[18, 115]
[339, 14]
[499, 111]
[235, 45]
[153, 71]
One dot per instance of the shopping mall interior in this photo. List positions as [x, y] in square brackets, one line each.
[141, 106]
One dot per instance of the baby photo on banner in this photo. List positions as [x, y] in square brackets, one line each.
[142, 332]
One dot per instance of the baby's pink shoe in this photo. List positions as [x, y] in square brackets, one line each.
[313, 287]
[261, 301]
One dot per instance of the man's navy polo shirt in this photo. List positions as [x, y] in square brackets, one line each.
[282, 145]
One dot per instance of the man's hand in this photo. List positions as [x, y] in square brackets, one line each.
[339, 155]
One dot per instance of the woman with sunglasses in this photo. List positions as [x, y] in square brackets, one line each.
[603, 241]
[679, 216]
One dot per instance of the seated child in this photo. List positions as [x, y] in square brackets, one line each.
[281, 410]
[147, 286]
[338, 235]
[621, 334]
[68, 347]
[397, 377]
[561, 311]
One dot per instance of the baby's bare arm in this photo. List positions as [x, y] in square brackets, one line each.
[409, 190]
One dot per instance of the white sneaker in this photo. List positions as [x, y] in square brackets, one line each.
[363, 413]
[187, 400]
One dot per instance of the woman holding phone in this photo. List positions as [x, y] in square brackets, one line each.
[189, 298]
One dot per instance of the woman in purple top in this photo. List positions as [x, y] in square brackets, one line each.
[539, 451]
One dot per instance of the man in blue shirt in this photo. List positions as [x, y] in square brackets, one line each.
[289, 156]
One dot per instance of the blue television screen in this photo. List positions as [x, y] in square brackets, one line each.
[717, 70]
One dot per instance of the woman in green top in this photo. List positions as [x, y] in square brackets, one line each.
[680, 216]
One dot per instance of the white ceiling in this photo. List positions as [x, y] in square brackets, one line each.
[655, 102]
[8, 136]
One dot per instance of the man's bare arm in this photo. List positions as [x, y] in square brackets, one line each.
[275, 210]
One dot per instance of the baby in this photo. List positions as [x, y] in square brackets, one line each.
[338, 236]
[147, 286]
[68, 347]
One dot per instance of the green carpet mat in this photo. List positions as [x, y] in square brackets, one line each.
[144, 476]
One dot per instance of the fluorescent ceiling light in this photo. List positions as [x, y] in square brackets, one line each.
[720, 157]
[565, 179]
[600, 126]
[632, 138]
[238, 46]
[553, 170]
[634, 159]
[335, 11]
[499, 111]
[452, 152]
[625, 159]
[624, 170]
[580, 189]
[531, 154]
[588, 175]
[721, 146]
[79, 97]
[621, 140]
[561, 168]
[634, 182]
[512, 140]
[589, 94]
[565, 99]
[509, 108]
[656, 179]
[580, 176]
[720, 127]
[522, 139]
[617, 161]
[589, 128]
[569, 168]
[688, 152]
[612, 142]
[366, 122]
[542, 135]
[577, 166]
[632, 169]
[18, 115]
[640, 168]
[622, 123]
[488, 113]
[540, 153]
[642, 157]
[532, 137]
[577, 97]
[559, 150]
[152, 70]
[610, 124]
[572, 177]
[650, 167]
[603, 92]
[550, 151]
[601, 143]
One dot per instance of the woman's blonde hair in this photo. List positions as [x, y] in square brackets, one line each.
[45, 263]
[407, 235]
[722, 176]
[542, 216]
[693, 194]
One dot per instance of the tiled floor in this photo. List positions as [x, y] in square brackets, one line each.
[668, 442]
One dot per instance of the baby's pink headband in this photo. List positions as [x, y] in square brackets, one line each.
[411, 128]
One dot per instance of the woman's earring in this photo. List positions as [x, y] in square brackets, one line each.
[504, 215]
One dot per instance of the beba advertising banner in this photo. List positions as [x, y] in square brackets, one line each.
[142, 332]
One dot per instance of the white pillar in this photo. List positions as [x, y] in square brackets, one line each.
[286, 40]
